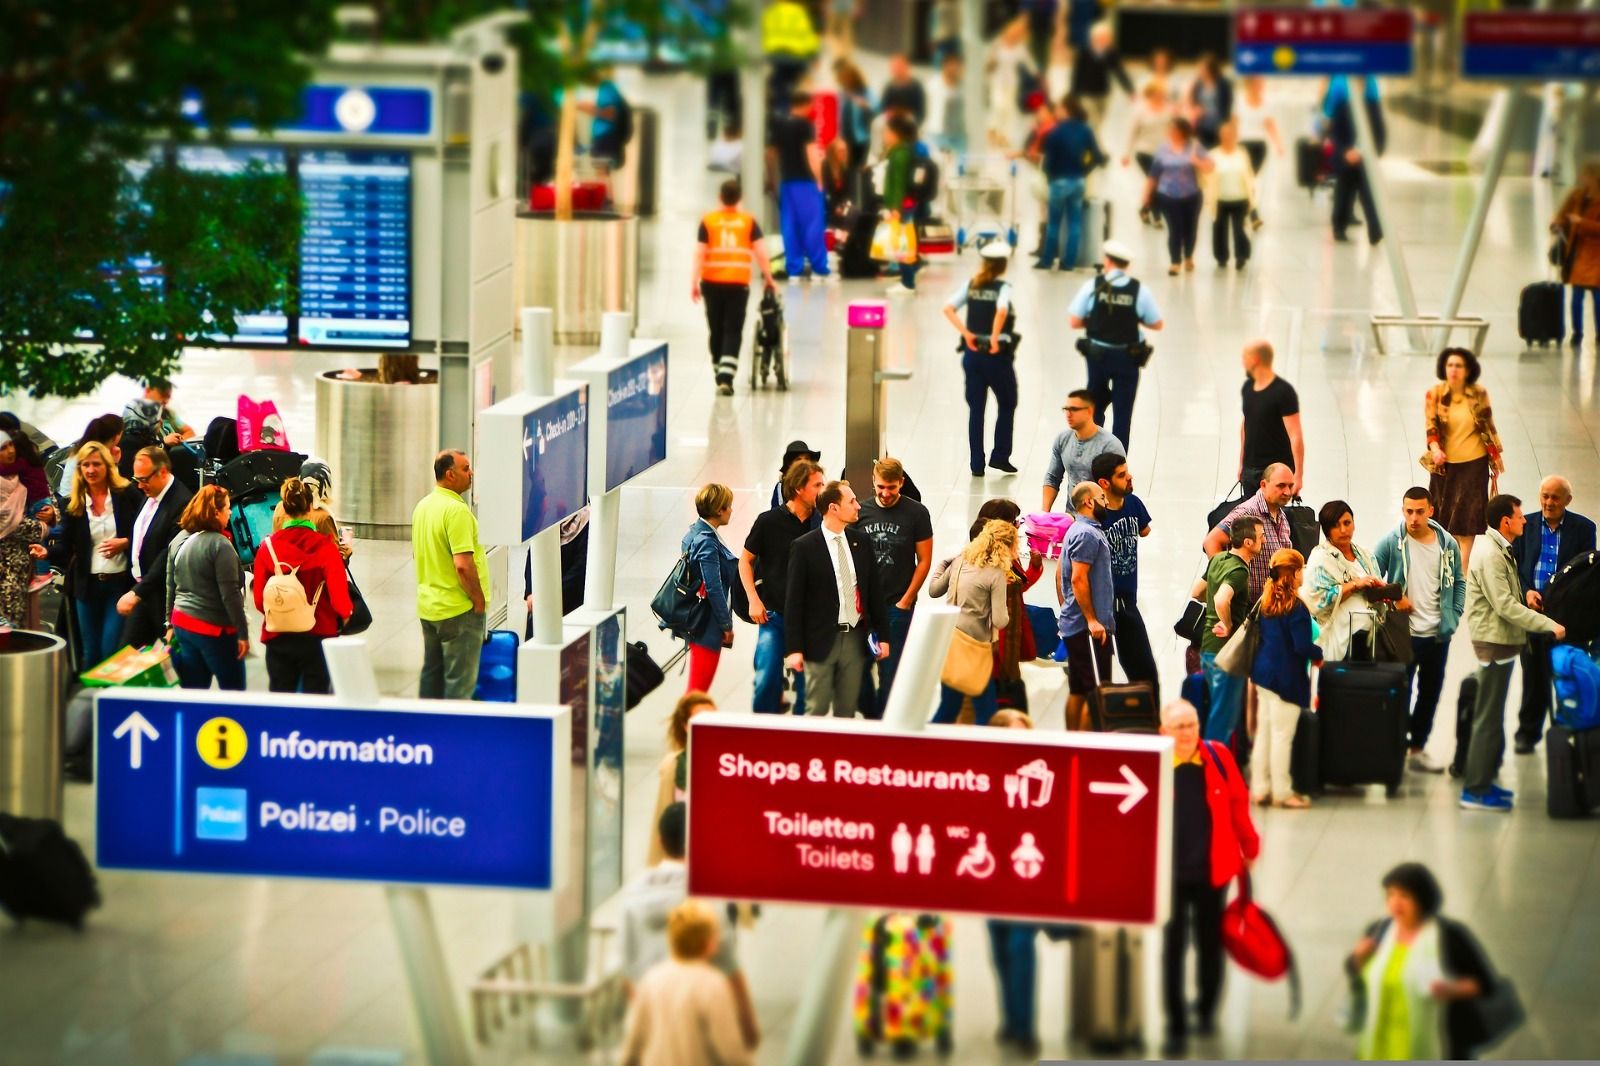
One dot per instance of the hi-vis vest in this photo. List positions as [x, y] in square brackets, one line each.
[729, 251]
[786, 30]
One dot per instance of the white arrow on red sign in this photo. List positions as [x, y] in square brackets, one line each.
[1132, 791]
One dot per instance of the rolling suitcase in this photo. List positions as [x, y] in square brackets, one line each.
[497, 668]
[1466, 704]
[43, 873]
[1539, 315]
[1363, 729]
[903, 991]
[1096, 231]
[1107, 989]
[1129, 708]
[1571, 760]
[1308, 157]
[1305, 756]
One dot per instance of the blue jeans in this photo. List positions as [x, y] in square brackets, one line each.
[1577, 308]
[1011, 946]
[1114, 381]
[99, 624]
[1065, 206]
[800, 216]
[768, 695]
[984, 704]
[1227, 700]
[198, 659]
[873, 703]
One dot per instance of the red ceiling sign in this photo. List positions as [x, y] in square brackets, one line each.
[1065, 827]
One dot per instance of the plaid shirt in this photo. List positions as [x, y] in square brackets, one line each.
[1274, 535]
[1549, 553]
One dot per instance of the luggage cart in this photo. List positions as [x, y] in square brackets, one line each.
[982, 197]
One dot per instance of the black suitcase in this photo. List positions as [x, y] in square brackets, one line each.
[855, 252]
[1539, 315]
[1466, 707]
[1363, 712]
[1571, 760]
[1308, 158]
[43, 873]
[1305, 757]
[1129, 708]
[258, 473]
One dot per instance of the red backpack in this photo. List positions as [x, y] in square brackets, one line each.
[1253, 941]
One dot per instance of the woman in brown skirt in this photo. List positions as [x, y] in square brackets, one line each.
[1464, 453]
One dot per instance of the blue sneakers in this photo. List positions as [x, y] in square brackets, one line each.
[1503, 793]
[1486, 801]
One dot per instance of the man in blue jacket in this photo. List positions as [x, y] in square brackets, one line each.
[1545, 547]
[1420, 555]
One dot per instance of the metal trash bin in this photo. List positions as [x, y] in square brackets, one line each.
[32, 687]
[380, 441]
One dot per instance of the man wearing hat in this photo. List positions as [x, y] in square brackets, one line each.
[988, 351]
[1110, 309]
[797, 449]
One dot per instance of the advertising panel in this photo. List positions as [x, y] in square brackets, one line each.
[636, 416]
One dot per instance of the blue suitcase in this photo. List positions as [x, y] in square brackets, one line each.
[497, 668]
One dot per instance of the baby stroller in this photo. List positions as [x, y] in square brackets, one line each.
[254, 481]
[771, 344]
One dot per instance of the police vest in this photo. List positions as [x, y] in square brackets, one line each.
[1113, 319]
[983, 303]
[729, 247]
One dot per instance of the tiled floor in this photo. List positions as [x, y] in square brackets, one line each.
[176, 968]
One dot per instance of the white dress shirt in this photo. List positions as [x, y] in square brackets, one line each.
[141, 526]
[849, 613]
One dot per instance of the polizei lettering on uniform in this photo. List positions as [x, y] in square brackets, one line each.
[378, 750]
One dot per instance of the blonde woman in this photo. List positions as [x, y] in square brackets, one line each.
[1281, 672]
[718, 569]
[684, 1012]
[672, 774]
[102, 507]
[975, 581]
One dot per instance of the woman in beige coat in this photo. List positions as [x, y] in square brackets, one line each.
[683, 1013]
[976, 581]
[1578, 224]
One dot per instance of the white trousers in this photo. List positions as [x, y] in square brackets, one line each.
[1276, 719]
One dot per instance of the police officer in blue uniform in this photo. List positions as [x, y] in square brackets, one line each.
[1110, 309]
[988, 354]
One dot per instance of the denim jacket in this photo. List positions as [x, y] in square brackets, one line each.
[718, 568]
[1393, 556]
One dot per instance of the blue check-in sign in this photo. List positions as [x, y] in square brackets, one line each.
[402, 791]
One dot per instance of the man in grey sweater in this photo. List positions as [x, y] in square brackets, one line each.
[1499, 622]
[1072, 455]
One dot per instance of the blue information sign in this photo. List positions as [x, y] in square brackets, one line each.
[636, 416]
[1538, 45]
[555, 461]
[1322, 41]
[303, 787]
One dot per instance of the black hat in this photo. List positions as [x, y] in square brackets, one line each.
[797, 449]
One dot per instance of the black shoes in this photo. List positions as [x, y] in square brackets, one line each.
[1003, 464]
[1523, 748]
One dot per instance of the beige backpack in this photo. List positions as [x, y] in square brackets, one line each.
[284, 602]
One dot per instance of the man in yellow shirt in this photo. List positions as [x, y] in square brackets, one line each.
[452, 575]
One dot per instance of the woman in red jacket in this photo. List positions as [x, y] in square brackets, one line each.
[1213, 841]
[294, 659]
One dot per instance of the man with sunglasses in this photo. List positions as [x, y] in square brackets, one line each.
[144, 606]
[1075, 450]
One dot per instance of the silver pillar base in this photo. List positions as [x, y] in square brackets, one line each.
[380, 441]
[32, 683]
[580, 268]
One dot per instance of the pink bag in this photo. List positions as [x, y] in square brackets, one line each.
[1046, 530]
[260, 426]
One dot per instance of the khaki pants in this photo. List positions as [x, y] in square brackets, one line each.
[1276, 722]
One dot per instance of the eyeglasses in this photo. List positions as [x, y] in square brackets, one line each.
[137, 480]
[1074, 410]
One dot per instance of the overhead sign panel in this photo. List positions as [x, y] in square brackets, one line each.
[636, 416]
[1322, 41]
[1539, 45]
[355, 248]
[533, 464]
[1065, 827]
[458, 793]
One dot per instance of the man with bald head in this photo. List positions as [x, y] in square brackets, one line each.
[452, 581]
[1266, 506]
[1270, 432]
[1546, 545]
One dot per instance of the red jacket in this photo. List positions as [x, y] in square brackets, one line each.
[321, 566]
[1233, 834]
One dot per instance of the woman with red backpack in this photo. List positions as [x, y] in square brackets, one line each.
[303, 592]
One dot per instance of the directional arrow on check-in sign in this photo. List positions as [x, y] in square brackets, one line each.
[137, 728]
[527, 443]
[1132, 792]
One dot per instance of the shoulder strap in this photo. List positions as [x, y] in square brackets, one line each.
[277, 566]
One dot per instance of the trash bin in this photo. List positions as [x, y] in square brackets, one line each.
[32, 685]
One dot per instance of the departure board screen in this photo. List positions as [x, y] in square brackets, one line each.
[355, 248]
[271, 325]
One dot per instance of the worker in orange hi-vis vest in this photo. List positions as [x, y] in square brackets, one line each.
[730, 244]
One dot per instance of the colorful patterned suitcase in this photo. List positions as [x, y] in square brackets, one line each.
[903, 993]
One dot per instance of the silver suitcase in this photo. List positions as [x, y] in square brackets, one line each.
[1107, 989]
[1096, 231]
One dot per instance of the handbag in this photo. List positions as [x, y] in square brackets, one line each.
[1239, 654]
[1253, 941]
[1187, 627]
[360, 619]
[678, 606]
[969, 664]
[1225, 508]
[1305, 532]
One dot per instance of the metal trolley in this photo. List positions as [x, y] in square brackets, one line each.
[982, 198]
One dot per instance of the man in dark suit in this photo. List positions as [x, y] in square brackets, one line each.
[833, 599]
[145, 606]
[1558, 537]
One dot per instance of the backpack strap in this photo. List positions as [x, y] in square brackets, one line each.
[277, 566]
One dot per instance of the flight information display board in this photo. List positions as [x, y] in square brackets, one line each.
[270, 326]
[355, 249]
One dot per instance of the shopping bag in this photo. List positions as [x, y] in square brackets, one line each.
[261, 426]
[882, 243]
[149, 667]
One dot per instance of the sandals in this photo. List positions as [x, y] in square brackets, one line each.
[1295, 802]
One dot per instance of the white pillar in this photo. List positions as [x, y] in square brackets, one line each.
[605, 508]
[538, 351]
[753, 121]
[974, 87]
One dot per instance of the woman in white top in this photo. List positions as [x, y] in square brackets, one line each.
[92, 550]
[1233, 181]
[1257, 129]
[1338, 572]
[1008, 57]
[1148, 128]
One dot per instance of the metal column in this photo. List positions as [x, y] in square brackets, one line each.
[605, 508]
[1498, 145]
[974, 90]
[1356, 88]
[753, 123]
[864, 408]
[910, 705]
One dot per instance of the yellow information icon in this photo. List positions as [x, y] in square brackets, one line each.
[1283, 57]
[221, 743]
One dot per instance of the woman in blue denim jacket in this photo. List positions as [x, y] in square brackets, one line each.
[719, 572]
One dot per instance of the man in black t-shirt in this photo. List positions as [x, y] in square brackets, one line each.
[901, 532]
[903, 90]
[764, 570]
[1270, 432]
[797, 158]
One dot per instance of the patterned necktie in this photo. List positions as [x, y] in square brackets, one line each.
[847, 590]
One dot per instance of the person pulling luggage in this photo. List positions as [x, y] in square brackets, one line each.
[730, 242]
[1110, 309]
[988, 355]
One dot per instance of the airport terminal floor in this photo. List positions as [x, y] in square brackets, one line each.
[178, 969]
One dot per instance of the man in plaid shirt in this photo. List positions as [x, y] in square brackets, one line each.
[1267, 507]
